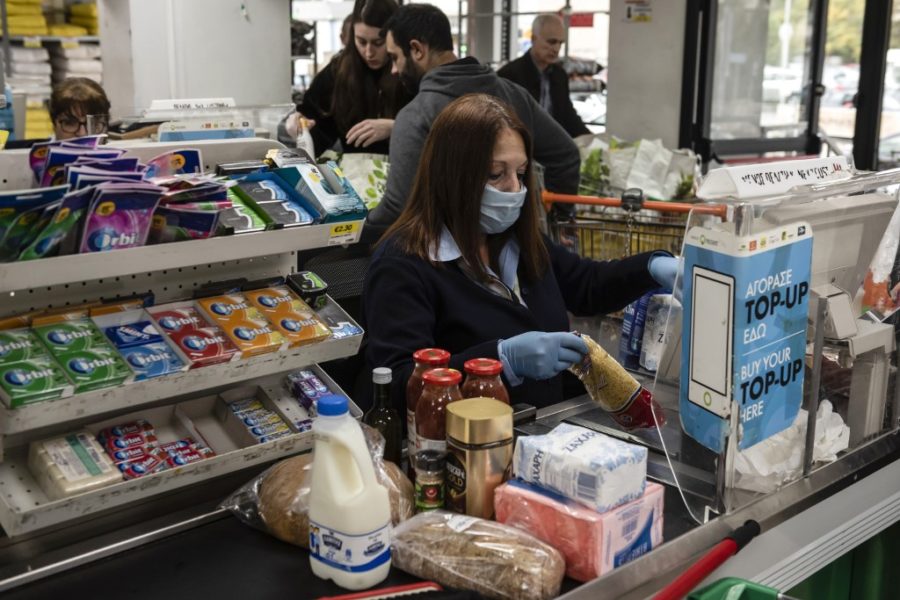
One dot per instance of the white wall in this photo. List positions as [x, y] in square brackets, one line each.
[196, 49]
[645, 71]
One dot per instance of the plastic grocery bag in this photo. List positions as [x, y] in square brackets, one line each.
[367, 174]
[277, 500]
[495, 560]
[778, 460]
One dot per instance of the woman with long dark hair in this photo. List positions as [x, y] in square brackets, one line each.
[355, 98]
[465, 267]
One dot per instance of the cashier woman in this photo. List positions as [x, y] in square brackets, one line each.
[465, 267]
[355, 98]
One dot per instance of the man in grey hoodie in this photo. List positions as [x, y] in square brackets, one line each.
[420, 45]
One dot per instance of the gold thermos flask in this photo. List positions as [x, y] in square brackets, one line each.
[479, 453]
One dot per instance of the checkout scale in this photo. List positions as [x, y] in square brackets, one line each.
[845, 215]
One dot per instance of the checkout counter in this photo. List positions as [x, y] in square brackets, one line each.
[182, 545]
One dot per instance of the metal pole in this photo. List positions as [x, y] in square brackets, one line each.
[6, 61]
[459, 17]
[813, 405]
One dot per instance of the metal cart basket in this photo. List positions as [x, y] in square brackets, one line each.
[610, 228]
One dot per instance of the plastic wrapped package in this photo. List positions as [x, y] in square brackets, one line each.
[591, 542]
[468, 553]
[277, 500]
[612, 387]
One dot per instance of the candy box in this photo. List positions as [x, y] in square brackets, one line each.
[18, 345]
[71, 336]
[289, 314]
[132, 334]
[311, 288]
[326, 190]
[71, 464]
[32, 380]
[94, 369]
[240, 218]
[338, 321]
[199, 341]
[244, 325]
[275, 201]
[152, 360]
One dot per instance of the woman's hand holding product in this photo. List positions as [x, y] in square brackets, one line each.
[296, 122]
[665, 270]
[541, 355]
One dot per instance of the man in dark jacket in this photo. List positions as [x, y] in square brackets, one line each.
[420, 45]
[539, 72]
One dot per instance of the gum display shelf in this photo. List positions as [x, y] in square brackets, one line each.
[25, 508]
[77, 268]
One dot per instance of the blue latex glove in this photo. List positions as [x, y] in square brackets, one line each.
[667, 271]
[541, 355]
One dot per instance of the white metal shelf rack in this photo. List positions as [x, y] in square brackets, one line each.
[171, 271]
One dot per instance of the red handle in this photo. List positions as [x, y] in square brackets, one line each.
[709, 562]
[719, 210]
[697, 572]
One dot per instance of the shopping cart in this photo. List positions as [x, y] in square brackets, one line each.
[610, 228]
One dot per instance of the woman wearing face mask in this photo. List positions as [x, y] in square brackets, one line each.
[465, 267]
[355, 98]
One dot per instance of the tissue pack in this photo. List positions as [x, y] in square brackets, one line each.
[592, 543]
[583, 465]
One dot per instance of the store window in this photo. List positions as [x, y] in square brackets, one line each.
[889, 134]
[840, 74]
[761, 66]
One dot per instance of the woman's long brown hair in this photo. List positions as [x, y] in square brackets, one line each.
[450, 182]
[357, 96]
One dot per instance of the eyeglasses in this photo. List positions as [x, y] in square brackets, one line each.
[92, 124]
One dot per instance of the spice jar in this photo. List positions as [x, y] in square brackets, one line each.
[425, 359]
[479, 454]
[441, 388]
[483, 380]
[429, 480]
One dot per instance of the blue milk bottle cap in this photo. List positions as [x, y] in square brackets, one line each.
[333, 405]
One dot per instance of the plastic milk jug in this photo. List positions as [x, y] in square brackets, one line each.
[349, 511]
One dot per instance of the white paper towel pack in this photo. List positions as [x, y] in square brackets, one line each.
[591, 468]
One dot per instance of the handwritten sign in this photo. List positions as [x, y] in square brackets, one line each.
[771, 179]
[191, 104]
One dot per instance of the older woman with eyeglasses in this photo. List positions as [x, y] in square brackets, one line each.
[78, 106]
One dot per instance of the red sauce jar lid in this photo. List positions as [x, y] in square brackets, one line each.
[442, 377]
[483, 366]
[432, 356]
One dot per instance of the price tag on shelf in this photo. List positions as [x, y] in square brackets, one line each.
[31, 42]
[69, 44]
[343, 233]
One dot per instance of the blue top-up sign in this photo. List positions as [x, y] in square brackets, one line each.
[745, 319]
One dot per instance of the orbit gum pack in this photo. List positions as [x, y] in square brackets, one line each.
[140, 344]
[199, 340]
[32, 380]
[290, 315]
[243, 323]
[82, 351]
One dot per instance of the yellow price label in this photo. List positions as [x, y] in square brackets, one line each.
[31, 42]
[342, 233]
[69, 44]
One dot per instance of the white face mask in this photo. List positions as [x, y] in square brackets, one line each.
[500, 210]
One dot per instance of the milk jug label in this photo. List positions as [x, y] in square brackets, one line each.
[351, 553]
